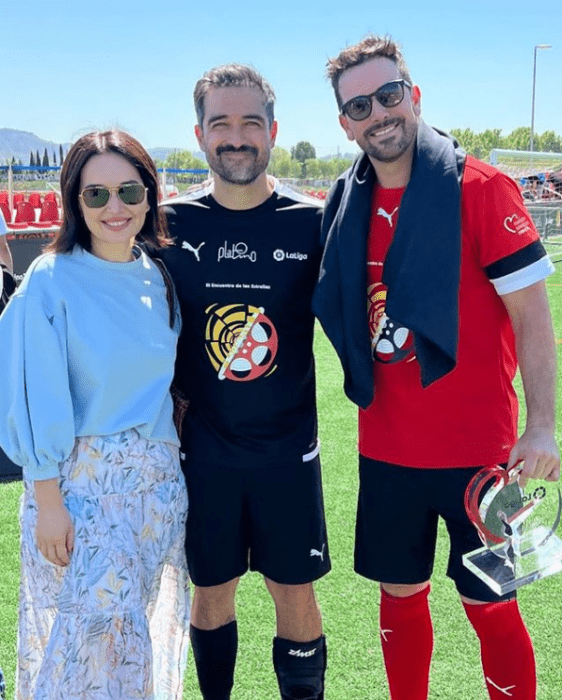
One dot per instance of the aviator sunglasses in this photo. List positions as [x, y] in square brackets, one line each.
[97, 197]
[388, 95]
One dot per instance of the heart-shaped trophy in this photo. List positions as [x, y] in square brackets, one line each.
[517, 526]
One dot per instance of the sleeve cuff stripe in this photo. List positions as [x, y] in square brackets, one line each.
[520, 279]
[516, 261]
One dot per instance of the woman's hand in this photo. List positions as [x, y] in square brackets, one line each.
[55, 532]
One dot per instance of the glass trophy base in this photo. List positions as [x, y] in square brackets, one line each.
[533, 561]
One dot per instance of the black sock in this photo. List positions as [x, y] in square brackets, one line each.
[300, 668]
[215, 656]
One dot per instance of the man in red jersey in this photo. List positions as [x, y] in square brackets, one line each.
[453, 271]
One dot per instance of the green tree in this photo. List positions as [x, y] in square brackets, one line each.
[61, 156]
[184, 160]
[489, 139]
[280, 162]
[480, 144]
[466, 138]
[340, 165]
[45, 159]
[302, 152]
[327, 169]
[312, 168]
[549, 142]
[519, 139]
[31, 159]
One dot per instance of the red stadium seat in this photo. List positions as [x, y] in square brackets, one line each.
[25, 213]
[35, 199]
[17, 198]
[49, 212]
[4, 197]
[6, 213]
[50, 197]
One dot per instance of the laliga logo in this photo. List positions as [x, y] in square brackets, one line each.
[281, 255]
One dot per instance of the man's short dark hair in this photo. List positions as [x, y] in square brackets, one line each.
[372, 46]
[232, 75]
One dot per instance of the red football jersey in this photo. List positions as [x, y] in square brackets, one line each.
[468, 417]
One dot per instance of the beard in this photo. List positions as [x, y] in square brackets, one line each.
[388, 150]
[241, 171]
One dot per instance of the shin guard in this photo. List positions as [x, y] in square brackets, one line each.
[300, 668]
[215, 657]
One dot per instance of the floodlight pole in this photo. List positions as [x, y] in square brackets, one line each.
[538, 46]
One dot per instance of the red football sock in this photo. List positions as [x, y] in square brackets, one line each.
[506, 649]
[407, 644]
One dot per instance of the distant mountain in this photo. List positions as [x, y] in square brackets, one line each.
[160, 152]
[19, 144]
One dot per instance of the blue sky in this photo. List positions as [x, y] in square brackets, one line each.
[69, 67]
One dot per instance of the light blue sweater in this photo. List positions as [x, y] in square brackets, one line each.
[85, 349]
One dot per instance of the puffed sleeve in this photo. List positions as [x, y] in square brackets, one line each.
[37, 431]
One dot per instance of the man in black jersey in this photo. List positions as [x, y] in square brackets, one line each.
[245, 261]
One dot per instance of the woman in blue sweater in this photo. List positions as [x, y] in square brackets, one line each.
[85, 391]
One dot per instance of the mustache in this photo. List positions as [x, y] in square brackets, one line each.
[228, 148]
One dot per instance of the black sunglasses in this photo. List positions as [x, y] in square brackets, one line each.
[388, 95]
[97, 197]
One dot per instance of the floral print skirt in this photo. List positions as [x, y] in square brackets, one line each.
[114, 623]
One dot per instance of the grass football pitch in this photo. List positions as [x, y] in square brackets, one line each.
[349, 603]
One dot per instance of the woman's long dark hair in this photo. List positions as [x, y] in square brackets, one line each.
[73, 231]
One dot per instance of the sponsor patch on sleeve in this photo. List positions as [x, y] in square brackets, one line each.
[516, 224]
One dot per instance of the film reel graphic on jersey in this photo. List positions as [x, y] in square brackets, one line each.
[390, 341]
[241, 342]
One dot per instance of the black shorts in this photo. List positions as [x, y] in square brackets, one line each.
[397, 518]
[268, 519]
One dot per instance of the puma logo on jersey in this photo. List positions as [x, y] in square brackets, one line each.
[302, 654]
[316, 553]
[502, 690]
[187, 246]
[386, 215]
[384, 633]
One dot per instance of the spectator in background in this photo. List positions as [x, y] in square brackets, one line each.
[86, 411]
